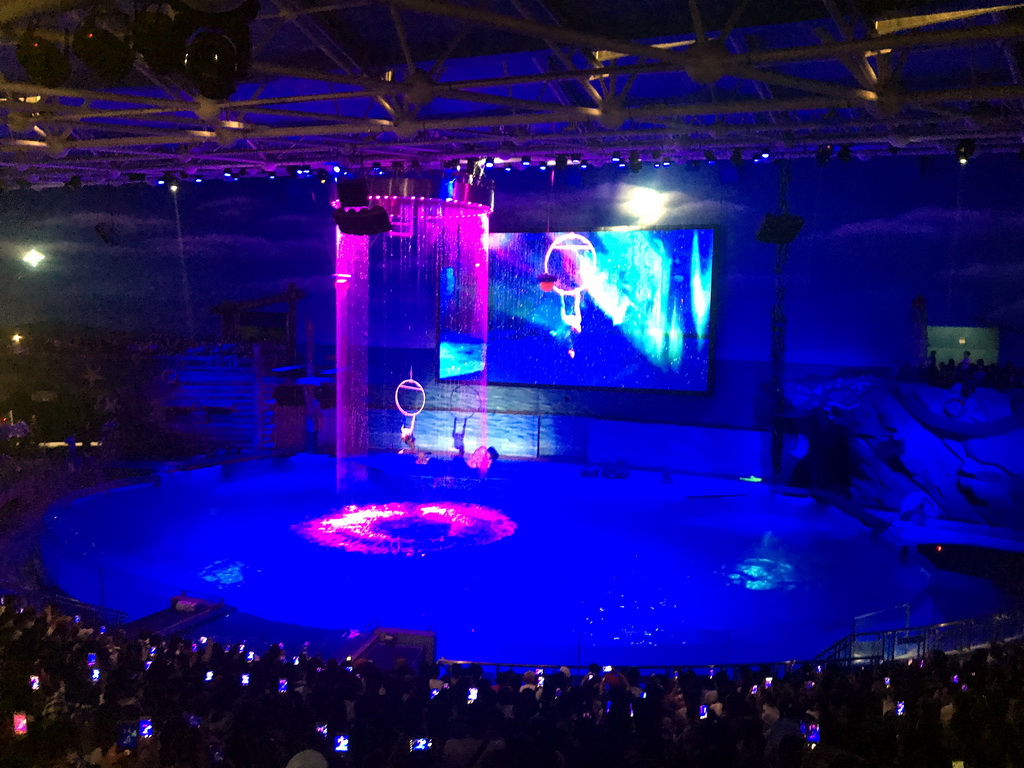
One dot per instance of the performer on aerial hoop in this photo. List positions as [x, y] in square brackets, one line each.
[569, 264]
[408, 431]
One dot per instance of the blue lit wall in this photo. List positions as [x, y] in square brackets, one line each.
[877, 233]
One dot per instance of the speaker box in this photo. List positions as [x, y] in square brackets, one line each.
[779, 228]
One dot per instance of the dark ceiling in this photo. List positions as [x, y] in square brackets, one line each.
[432, 81]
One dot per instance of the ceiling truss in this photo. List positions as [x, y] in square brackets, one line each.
[920, 86]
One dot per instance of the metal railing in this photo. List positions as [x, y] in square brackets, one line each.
[916, 642]
[856, 649]
[69, 606]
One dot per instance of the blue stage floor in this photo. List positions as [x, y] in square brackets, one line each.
[613, 571]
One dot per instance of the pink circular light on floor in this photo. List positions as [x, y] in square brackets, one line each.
[407, 528]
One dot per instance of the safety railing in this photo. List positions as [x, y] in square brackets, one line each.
[916, 642]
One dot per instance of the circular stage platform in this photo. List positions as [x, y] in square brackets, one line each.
[534, 564]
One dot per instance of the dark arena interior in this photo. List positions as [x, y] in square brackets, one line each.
[450, 384]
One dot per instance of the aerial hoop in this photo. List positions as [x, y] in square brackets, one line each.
[584, 265]
[414, 386]
[408, 433]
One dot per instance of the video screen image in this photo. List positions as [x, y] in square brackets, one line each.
[616, 308]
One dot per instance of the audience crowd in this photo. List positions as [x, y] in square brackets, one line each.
[968, 375]
[87, 696]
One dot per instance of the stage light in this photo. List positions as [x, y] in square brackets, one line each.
[710, 156]
[561, 162]
[549, 164]
[584, 163]
[218, 49]
[823, 154]
[765, 154]
[647, 206]
[667, 161]
[575, 160]
[101, 43]
[525, 160]
[634, 162]
[489, 162]
[337, 169]
[736, 157]
[845, 154]
[616, 157]
[353, 193]
[212, 64]
[75, 182]
[159, 36]
[363, 221]
[322, 175]
[964, 150]
[171, 180]
[33, 258]
[43, 62]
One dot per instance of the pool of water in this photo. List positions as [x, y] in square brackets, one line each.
[560, 568]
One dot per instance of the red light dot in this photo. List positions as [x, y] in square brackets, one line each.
[938, 548]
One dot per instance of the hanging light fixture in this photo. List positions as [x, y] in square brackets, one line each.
[101, 43]
[218, 49]
[44, 61]
[159, 36]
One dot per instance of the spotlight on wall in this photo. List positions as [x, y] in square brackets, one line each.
[823, 154]
[43, 61]
[964, 150]
[634, 162]
[102, 44]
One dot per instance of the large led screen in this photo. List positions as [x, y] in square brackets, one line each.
[616, 308]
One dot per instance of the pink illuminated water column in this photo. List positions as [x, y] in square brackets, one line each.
[441, 225]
